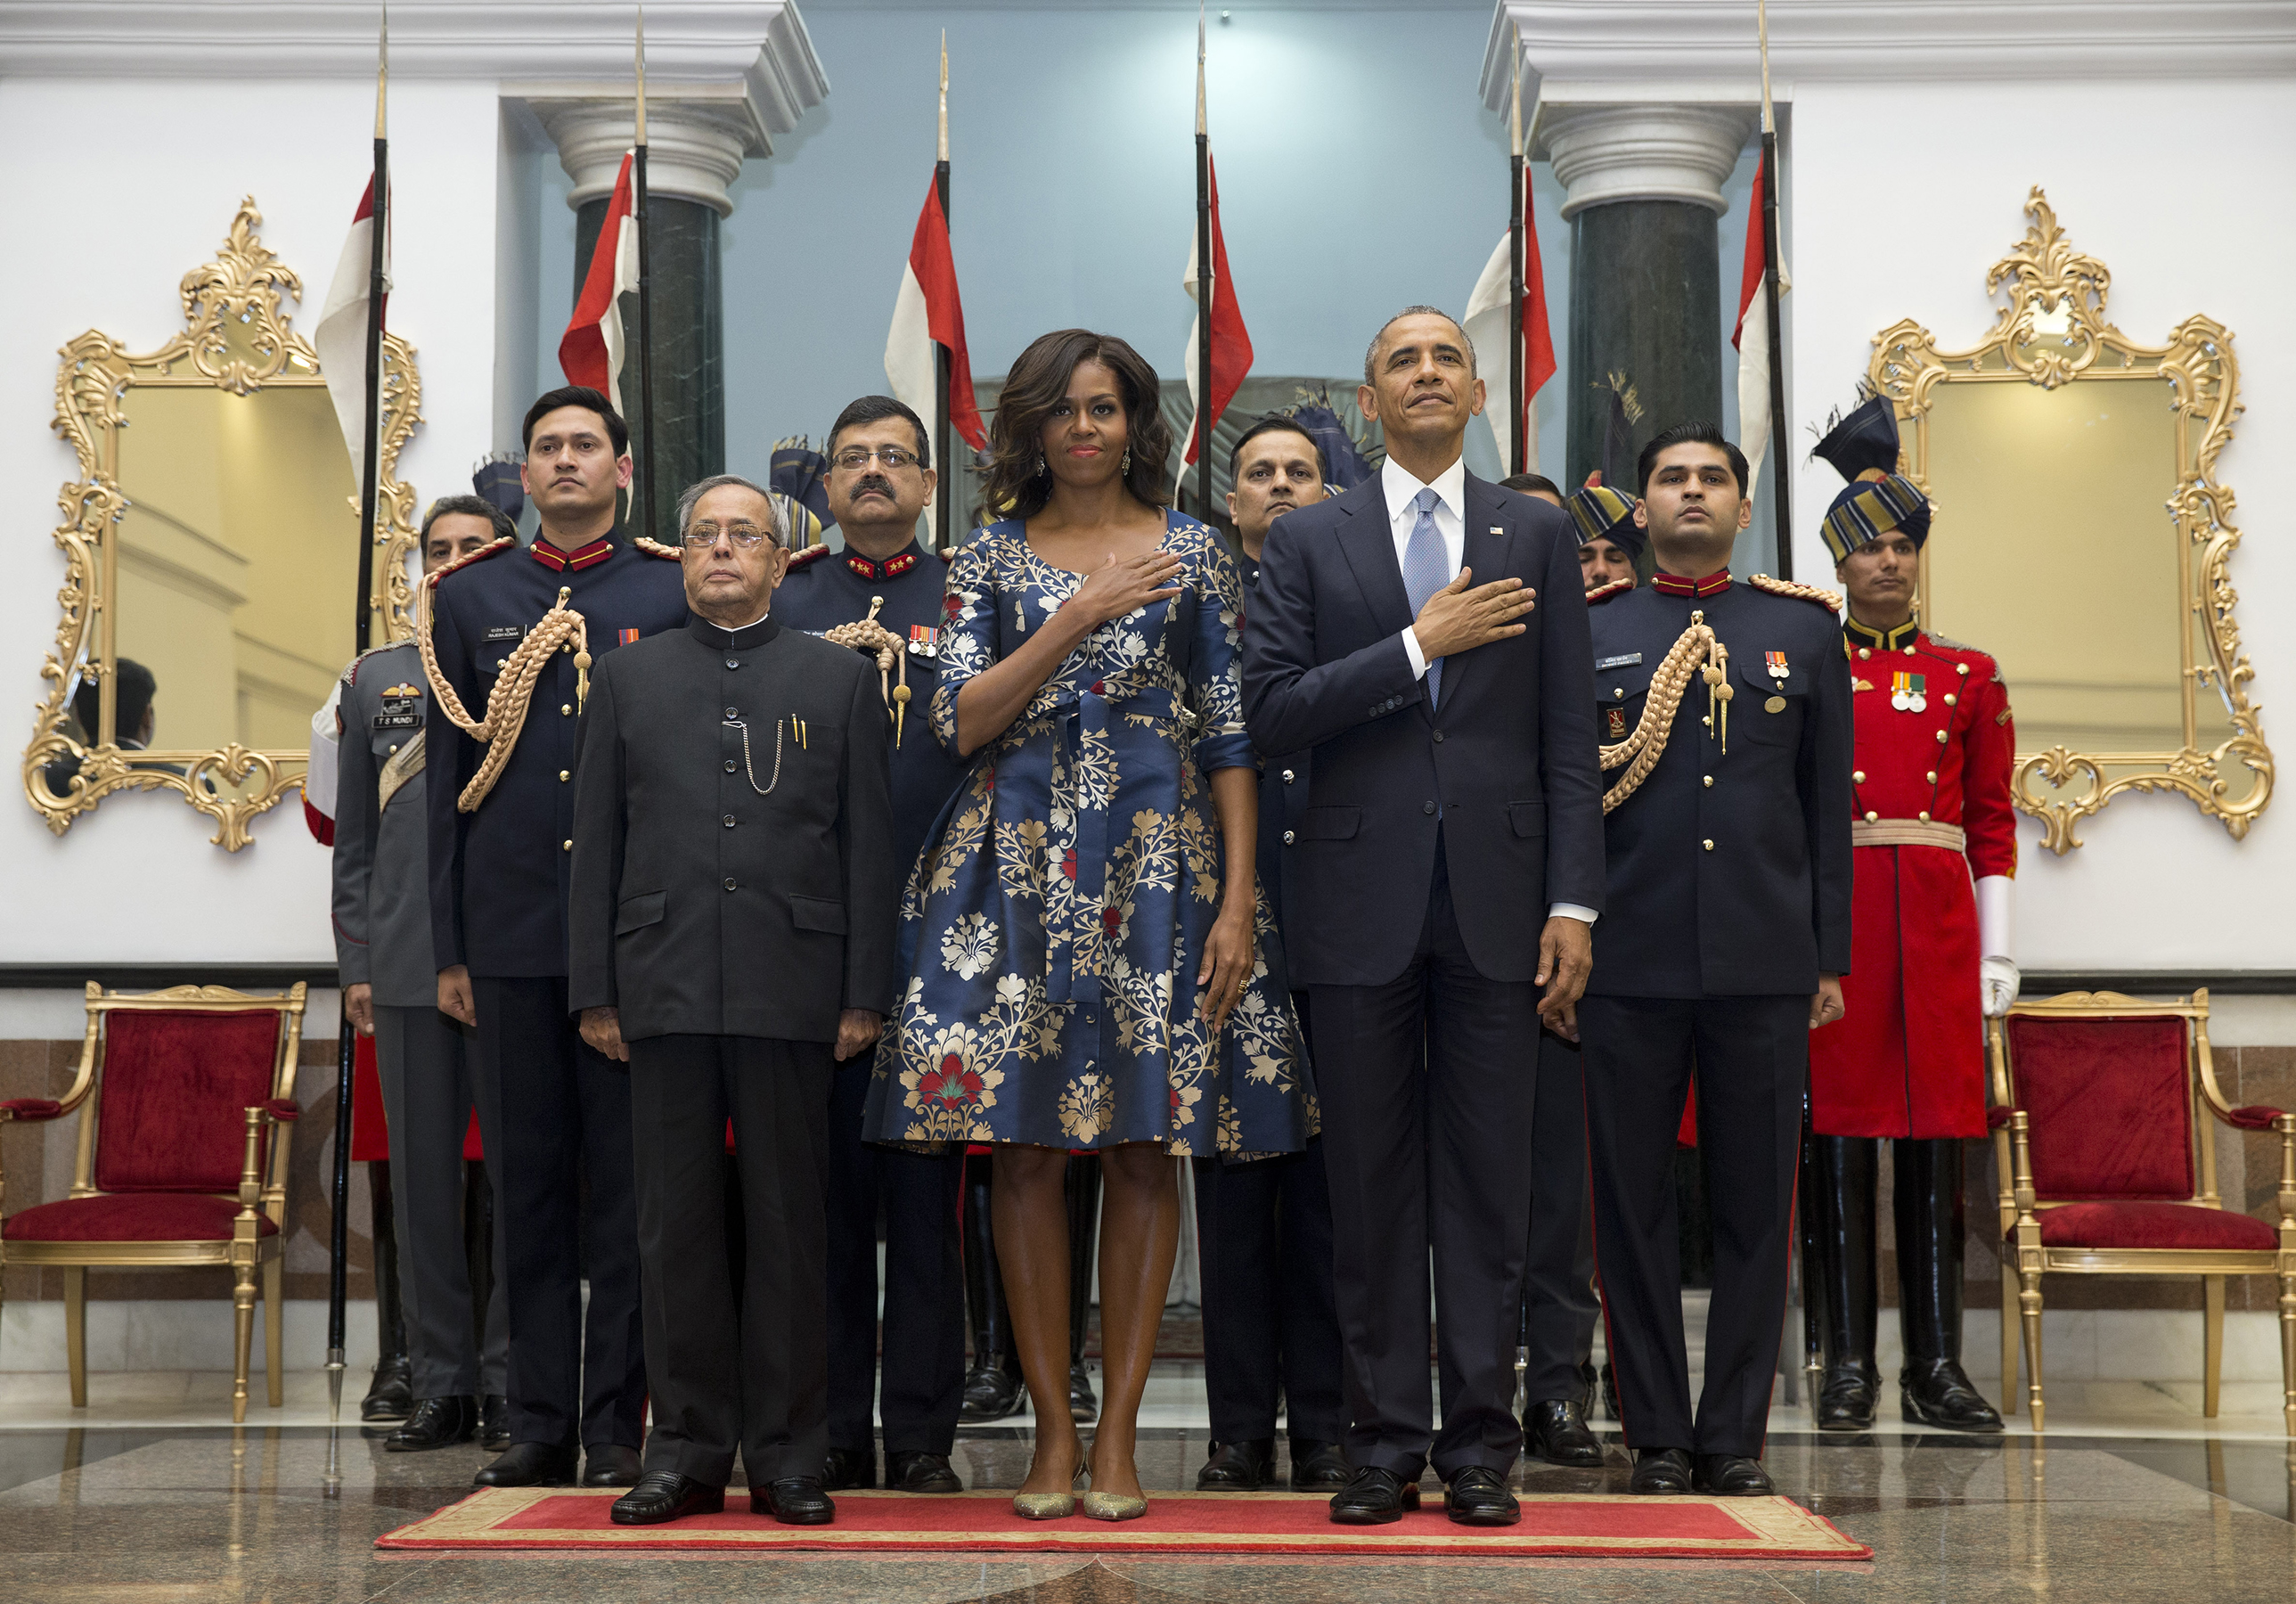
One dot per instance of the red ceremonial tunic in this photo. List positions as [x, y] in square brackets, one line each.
[1935, 746]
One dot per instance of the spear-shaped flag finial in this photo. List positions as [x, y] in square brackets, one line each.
[1200, 129]
[382, 75]
[944, 94]
[641, 137]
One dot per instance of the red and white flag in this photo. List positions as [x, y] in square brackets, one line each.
[1755, 357]
[1486, 327]
[927, 313]
[1231, 344]
[591, 352]
[340, 338]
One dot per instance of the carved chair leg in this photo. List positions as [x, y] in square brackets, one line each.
[2008, 1334]
[2288, 1353]
[76, 1331]
[2029, 1306]
[242, 1310]
[275, 1321]
[2212, 1302]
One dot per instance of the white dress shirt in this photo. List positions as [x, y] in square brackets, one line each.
[1450, 488]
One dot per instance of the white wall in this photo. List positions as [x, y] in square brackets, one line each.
[1903, 196]
[124, 188]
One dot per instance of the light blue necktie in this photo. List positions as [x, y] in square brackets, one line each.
[1424, 566]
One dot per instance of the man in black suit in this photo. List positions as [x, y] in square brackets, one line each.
[1426, 634]
[732, 926]
[1723, 947]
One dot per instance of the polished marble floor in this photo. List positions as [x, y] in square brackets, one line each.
[2130, 1497]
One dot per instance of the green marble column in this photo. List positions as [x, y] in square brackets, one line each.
[689, 351]
[1646, 302]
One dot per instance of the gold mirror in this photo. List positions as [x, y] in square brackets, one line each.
[2082, 538]
[210, 552]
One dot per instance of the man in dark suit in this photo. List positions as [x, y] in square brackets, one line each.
[1722, 948]
[732, 920]
[1426, 634]
[554, 1116]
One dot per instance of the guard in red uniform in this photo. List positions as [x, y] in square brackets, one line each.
[1936, 844]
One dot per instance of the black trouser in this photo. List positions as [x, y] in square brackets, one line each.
[754, 1376]
[1427, 1084]
[1263, 1244]
[1560, 1307]
[923, 1365]
[422, 1062]
[1750, 1055]
[556, 1116]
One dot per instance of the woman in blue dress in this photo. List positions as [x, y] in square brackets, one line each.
[1089, 965]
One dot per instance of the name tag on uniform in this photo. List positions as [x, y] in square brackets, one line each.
[398, 712]
[1626, 660]
[504, 632]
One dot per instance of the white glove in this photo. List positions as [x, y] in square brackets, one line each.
[1997, 981]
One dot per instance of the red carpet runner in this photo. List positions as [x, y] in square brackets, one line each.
[1199, 1523]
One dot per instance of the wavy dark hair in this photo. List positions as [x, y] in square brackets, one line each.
[1038, 383]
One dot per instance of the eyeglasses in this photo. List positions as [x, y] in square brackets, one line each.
[701, 537]
[855, 459]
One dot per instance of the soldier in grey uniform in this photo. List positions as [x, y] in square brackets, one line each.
[390, 990]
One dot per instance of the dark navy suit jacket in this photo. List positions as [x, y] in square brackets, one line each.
[1504, 767]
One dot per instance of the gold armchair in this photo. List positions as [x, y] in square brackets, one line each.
[2103, 1135]
[183, 1097]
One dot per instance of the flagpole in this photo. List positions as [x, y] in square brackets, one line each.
[645, 301]
[362, 633]
[941, 375]
[1516, 444]
[1204, 286]
[1780, 499]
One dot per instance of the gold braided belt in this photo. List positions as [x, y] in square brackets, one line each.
[1907, 832]
[507, 704]
[1641, 750]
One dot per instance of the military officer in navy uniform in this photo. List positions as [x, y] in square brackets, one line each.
[1264, 1229]
[1722, 946]
[511, 637]
[880, 480]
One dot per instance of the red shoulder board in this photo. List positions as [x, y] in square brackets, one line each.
[1605, 592]
[1796, 590]
[810, 553]
[655, 548]
[479, 556]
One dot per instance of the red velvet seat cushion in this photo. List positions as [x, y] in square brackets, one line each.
[2155, 1225]
[178, 1084]
[2109, 1105]
[134, 1217]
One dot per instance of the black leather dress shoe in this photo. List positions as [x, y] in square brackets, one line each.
[916, 1471]
[1661, 1470]
[436, 1423]
[528, 1465]
[1936, 1393]
[1478, 1496]
[610, 1465]
[1555, 1430]
[794, 1501]
[391, 1396]
[991, 1393]
[663, 1495]
[1318, 1467]
[1847, 1394]
[493, 1422]
[849, 1467]
[1372, 1498]
[1731, 1476]
[1082, 1404]
[1238, 1467]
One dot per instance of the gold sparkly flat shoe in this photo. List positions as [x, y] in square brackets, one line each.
[1114, 1506]
[1044, 1506]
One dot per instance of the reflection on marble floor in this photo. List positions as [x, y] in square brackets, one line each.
[176, 1511]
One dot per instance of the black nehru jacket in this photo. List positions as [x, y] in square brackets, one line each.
[700, 907]
[824, 590]
[1729, 870]
[498, 875]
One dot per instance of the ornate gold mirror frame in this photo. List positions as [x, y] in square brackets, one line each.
[236, 338]
[2052, 334]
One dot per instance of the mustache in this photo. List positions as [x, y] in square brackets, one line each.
[877, 483]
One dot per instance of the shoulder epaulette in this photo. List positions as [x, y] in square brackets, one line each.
[810, 553]
[350, 674]
[1604, 593]
[1935, 639]
[464, 560]
[655, 548]
[1799, 592]
[947, 553]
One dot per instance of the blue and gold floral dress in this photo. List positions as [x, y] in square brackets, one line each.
[1054, 926]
